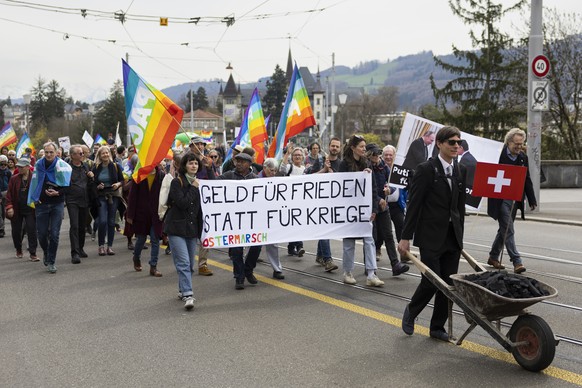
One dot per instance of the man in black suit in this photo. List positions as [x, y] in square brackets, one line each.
[469, 161]
[504, 210]
[435, 217]
[418, 151]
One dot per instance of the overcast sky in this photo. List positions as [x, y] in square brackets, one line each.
[84, 54]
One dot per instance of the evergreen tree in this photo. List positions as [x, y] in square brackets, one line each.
[112, 112]
[37, 108]
[201, 99]
[55, 100]
[7, 102]
[484, 76]
[275, 96]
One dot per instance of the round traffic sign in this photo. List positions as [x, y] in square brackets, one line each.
[540, 66]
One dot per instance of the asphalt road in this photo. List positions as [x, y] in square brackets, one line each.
[101, 324]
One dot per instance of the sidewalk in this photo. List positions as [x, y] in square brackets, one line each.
[559, 206]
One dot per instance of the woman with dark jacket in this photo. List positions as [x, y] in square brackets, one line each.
[18, 211]
[142, 215]
[108, 179]
[183, 225]
[354, 159]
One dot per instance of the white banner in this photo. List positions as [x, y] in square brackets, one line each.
[282, 209]
[65, 142]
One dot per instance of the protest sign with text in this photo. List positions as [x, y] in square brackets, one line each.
[282, 209]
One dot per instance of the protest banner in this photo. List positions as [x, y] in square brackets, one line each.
[280, 209]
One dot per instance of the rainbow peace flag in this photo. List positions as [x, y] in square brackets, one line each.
[207, 136]
[297, 115]
[255, 120]
[153, 121]
[23, 144]
[100, 140]
[7, 135]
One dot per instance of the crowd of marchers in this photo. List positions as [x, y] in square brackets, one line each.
[101, 198]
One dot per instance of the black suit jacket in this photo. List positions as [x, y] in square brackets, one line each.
[415, 154]
[470, 163]
[430, 205]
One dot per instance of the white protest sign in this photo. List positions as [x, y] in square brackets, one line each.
[88, 139]
[65, 142]
[281, 209]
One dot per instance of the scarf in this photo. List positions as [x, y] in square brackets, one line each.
[190, 178]
[58, 172]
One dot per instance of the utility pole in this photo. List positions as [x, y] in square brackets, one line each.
[333, 107]
[534, 118]
[191, 110]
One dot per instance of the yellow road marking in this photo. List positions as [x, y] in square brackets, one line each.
[558, 373]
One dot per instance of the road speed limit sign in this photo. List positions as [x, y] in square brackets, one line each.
[540, 66]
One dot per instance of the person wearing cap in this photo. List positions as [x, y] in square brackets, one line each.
[382, 230]
[242, 268]
[197, 147]
[18, 211]
[229, 164]
[5, 176]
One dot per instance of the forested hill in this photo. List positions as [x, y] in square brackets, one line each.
[409, 73]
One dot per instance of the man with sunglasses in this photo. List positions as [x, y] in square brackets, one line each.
[77, 201]
[435, 218]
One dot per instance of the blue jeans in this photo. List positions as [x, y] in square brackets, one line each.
[324, 250]
[49, 217]
[349, 246]
[155, 246]
[107, 220]
[505, 221]
[183, 252]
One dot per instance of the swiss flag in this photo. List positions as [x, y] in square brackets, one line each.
[502, 181]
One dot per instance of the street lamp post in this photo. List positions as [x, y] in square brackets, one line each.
[342, 98]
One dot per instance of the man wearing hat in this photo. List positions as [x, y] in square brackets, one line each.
[18, 211]
[229, 164]
[242, 268]
[197, 147]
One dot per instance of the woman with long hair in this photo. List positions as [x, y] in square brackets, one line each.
[354, 159]
[108, 179]
[183, 225]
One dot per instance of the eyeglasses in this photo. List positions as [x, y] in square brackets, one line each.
[214, 156]
[453, 142]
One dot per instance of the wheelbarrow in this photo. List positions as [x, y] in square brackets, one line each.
[530, 339]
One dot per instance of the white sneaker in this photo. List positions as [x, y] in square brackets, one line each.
[188, 302]
[349, 278]
[374, 281]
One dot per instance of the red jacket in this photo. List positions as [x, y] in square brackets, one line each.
[13, 190]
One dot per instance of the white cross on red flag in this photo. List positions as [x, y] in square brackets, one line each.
[502, 181]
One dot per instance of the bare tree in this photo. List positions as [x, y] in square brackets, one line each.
[563, 46]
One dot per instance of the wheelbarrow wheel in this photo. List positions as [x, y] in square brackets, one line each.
[539, 352]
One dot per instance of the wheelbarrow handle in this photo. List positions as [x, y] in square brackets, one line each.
[429, 273]
[472, 262]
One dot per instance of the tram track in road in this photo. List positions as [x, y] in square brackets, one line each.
[380, 291]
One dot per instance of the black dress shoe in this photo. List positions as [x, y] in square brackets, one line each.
[278, 275]
[251, 278]
[83, 254]
[75, 259]
[440, 335]
[407, 322]
[239, 284]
